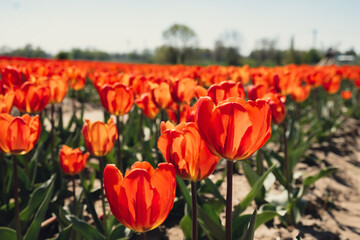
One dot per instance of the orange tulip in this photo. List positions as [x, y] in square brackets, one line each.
[256, 91]
[58, 89]
[32, 97]
[6, 102]
[99, 137]
[147, 105]
[277, 105]
[143, 198]
[18, 135]
[346, 95]
[200, 91]
[116, 98]
[183, 90]
[225, 89]
[72, 161]
[161, 95]
[183, 147]
[234, 129]
[300, 93]
[76, 78]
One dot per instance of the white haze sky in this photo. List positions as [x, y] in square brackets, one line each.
[123, 26]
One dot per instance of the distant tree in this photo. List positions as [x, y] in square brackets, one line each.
[27, 51]
[181, 38]
[312, 57]
[62, 55]
[166, 55]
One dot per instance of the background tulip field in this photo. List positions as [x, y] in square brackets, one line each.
[101, 150]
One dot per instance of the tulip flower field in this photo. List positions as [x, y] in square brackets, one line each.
[172, 142]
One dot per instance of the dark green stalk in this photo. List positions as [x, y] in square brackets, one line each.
[229, 179]
[101, 161]
[16, 197]
[143, 236]
[52, 120]
[287, 173]
[74, 193]
[194, 211]
[119, 157]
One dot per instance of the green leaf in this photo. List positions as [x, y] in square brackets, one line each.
[212, 227]
[207, 223]
[277, 171]
[214, 189]
[249, 233]
[312, 179]
[65, 234]
[251, 195]
[7, 233]
[119, 233]
[186, 226]
[36, 199]
[90, 205]
[86, 230]
[34, 229]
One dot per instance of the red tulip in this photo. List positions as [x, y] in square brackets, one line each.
[99, 137]
[277, 105]
[143, 198]
[234, 129]
[183, 147]
[18, 135]
[72, 161]
[225, 89]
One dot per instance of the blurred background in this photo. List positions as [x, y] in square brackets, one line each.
[199, 32]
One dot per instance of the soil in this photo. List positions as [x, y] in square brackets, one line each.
[333, 209]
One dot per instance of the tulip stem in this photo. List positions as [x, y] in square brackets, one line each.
[52, 135]
[16, 196]
[119, 160]
[287, 173]
[229, 179]
[102, 192]
[74, 194]
[194, 211]
[143, 236]
[141, 136]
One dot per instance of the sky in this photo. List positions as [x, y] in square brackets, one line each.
[124, 26]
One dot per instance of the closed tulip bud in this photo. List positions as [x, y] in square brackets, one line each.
[99, 137]
[277, 105]
[346, 95]
[18, 135]
[161, 95]
[183, 146]
[72, 161]
[183, 90]
[142, 199]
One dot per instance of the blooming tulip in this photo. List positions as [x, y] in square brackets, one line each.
[147, 105]
[143, 198]
[32, 97]
[161, 95]
[225, 89]
[277, 105]
[72, 161]
[234, 129]
[6, 102]
[183, 147]
[99, 137]
[116, 98]
[58, 89]
[183, 90]
[18, 135]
